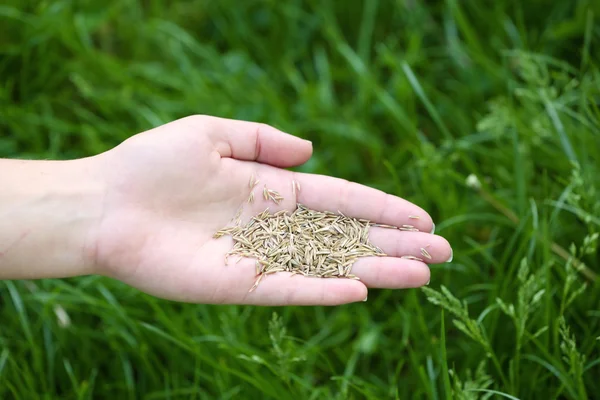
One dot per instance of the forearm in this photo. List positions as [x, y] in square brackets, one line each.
[48, 211]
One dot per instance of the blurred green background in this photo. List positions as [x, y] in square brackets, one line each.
[486, 114]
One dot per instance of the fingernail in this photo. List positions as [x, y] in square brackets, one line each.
[366, 298]
[451, 256]
[433, 229]
[427, 284]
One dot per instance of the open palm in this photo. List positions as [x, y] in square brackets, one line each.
[168, 190]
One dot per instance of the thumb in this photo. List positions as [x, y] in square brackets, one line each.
[253, 141]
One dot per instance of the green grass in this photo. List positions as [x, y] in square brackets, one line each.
[410, 97]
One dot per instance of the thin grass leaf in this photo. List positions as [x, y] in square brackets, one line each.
[3, 359]
[555, 371]
[501, 394]
[444, 372]
[559, 127]
[414, 82]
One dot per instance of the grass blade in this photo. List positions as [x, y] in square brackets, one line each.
[414, 82]
[501, 394]
[445, 374]
[559, 128]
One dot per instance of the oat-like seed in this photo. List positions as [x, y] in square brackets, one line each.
[385, 226]
[251, 198]
[264, 214]
[414, 217]
[412, 258]
[238, 213]
[251, 182]
[409, 229]
[274, 270]
[274, 196]
[256, 283]
[425, 253]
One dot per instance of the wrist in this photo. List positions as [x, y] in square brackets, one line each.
[48, 213]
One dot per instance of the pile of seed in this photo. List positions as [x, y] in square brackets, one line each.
[307, 242]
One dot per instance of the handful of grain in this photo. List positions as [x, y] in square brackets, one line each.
[307, 242]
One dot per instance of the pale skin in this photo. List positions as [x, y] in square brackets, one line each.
[145, 212]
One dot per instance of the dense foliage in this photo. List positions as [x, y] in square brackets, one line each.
[484, 113]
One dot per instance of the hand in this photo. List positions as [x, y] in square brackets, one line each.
[168, 190]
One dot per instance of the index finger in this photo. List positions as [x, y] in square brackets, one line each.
[325, 193]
